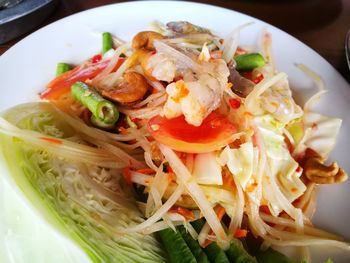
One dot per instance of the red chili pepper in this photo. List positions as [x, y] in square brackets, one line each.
[235, 103]
[239, 233]
[258, 79]
[96, 58]
[153, 52]
[51, 140]
[188, 214]
[146, 171]
[127, 175]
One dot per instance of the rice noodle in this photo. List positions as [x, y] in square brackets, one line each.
[183, 60]
[158, 214]
[319, 82]
[286, 222]
[184, 176]
[259, 89]
[126, 158]
[231, 42]
[149, 99]
[144, 113]
[203, 234]
[113, 62]
[308, 242]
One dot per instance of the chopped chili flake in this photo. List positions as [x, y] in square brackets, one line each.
[251, 187]
[235, 103]
[298, 169]
[265, 209]
[216, 54]
[146, 171]
[240, 233]
[127, 175]
[182, 91]
[96, 58]
[229, 85]
[188, 214]
[274, 104]
[135, 119]
[153, 52]
[51, 140]
[294, 190]
[258, 78]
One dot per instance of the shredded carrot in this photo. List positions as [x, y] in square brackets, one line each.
[229, 85]
[188, 214]
[146, 171]
[220, 212]
[127, 175]
[239, 233]
[51, 140]
[171, 177]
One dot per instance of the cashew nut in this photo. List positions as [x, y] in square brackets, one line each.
[316, 171]
[132, 88]
[145, 39]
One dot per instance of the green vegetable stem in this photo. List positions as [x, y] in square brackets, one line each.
[62, 68]
[247, 62]
[102, 109]
[107, 42]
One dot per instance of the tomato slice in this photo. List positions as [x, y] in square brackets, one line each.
[61, 85]
[215, 132]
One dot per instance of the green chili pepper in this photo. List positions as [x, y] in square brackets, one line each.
[102, 109]
[247, 62]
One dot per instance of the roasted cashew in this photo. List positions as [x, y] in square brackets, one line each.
[133, 87]
[316, 171]
[145, 39]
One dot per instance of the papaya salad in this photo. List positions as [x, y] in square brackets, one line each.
[180, 145]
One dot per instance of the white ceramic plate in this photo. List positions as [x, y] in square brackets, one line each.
[30, 64]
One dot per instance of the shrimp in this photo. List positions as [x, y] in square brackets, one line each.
[198, 94]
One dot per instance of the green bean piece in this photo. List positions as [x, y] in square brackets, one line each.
[194, 246]
[176, 247]
[101, 108]
[61, 68]
[247, 62]
[100, 124]
[236, 253]
[107, 42]
[271, 255]
[213, 251]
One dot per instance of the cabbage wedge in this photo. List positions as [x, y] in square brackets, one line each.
[84, 199]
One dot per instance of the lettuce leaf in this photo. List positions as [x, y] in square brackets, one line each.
[88, 203]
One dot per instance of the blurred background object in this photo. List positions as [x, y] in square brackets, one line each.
[320, 24]
[21, 16]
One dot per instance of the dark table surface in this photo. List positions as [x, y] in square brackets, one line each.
[321, 24]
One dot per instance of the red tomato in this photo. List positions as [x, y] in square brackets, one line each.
[214, 133]
[62, 83]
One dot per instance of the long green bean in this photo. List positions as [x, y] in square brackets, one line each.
[107, 42]
[62, 68]
[101, 108]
